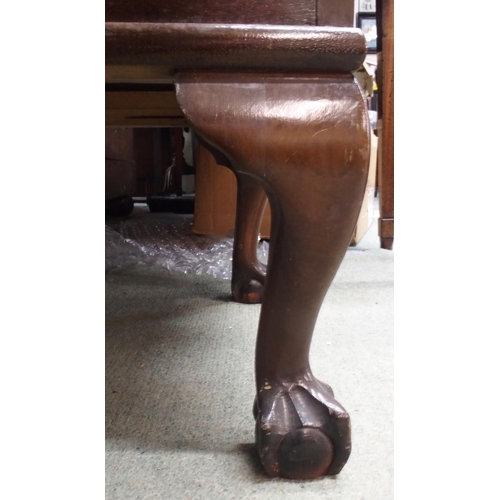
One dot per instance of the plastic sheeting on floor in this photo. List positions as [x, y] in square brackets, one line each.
[167, 240]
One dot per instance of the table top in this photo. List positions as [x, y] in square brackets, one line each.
[153, 52]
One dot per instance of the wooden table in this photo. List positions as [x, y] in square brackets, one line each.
[278, 104]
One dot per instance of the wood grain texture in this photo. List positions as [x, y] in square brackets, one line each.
[129, 108]
[280, 104]
[385, 12]
[153, 52]
[310, 131]
[336, 13]
[298, 12]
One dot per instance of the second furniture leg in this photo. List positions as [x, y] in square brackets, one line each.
[247, 283]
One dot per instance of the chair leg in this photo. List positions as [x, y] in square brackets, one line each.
[305, 138]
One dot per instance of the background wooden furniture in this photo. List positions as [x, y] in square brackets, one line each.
[153, 170]
[120, 172]
[385, 126]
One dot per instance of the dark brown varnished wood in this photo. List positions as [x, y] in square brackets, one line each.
[335, 13]
[248, 276]
[153, 154]
[385, 73]
[248, 273]
[300, 12]
[152, 52]
[280, 106]
[290, 132]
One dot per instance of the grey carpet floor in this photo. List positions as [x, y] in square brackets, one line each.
[180, 387]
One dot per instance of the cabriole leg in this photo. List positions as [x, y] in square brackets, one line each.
[305, 138]
[247, 283]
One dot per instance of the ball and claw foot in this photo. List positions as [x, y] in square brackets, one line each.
[248, 292]
[302, 432]
[248, 287]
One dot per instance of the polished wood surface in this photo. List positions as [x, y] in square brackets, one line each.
[248, 277]
[310, 131]
[277, 12]
[153, 52]
[248, 273]
[285, 12]
[279, 106]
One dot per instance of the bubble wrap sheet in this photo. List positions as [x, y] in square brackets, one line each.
[147, 239]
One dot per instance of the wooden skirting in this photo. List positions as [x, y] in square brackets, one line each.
[129, 108]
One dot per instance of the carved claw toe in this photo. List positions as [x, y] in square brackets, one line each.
[302, 432]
